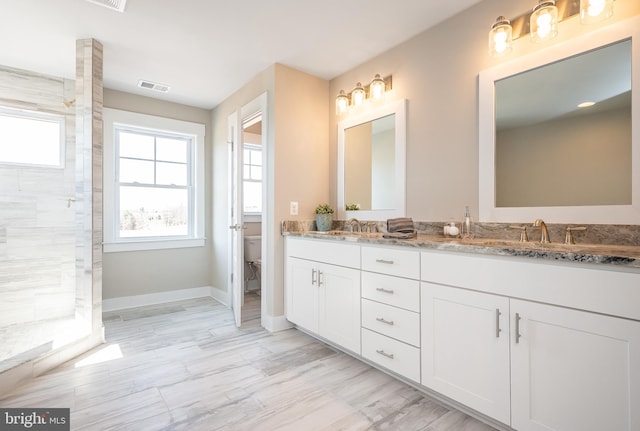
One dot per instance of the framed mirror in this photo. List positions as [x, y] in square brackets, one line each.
[541, 156]
[371, 163]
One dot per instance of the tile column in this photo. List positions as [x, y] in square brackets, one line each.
[89, 104]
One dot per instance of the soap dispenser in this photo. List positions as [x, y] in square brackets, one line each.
[467, 228]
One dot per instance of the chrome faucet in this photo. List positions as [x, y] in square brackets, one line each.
[356, 226]
[544, 233]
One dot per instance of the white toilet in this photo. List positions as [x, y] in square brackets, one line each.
[252, 256]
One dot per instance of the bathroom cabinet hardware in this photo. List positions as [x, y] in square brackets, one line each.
[383, 320]
[69, 202]
[320, 281]
[523, 233]
[383, 290]
[388, 262]
[313, 276]
[385, 354]
[498, 330]
[518, 328]
[568, 239]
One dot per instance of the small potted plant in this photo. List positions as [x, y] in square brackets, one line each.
[324, 217]
[352, 207]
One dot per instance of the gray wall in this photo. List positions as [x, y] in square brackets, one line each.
[142, 272]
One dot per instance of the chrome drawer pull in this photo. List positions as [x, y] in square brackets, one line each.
[498, 330]
[381, 289]
[382, 320]
[313, 276]
[518, 328]
[388, 262]
[385, 354]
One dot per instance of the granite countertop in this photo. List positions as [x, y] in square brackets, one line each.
[622, 256]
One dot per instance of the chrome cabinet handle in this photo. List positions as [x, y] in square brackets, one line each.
[385, 354]
[313, 276]
[518, 328]
[382, 320]
[388, 262]
[498, 330]
[383, 290]
[320, 281]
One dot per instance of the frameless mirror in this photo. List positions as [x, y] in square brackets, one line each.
[543, 156]
[371, 163]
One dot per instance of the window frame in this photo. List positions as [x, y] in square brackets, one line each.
[7, 111]
[117, 120]
[252, 147]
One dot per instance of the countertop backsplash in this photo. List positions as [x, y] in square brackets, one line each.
[627, 235]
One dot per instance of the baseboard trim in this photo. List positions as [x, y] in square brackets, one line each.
[222, 296]
[275, 323]
[124, 302]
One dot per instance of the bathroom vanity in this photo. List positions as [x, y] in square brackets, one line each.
[522, 336]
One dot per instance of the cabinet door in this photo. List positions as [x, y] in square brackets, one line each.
[573, 370]
[302, 293]
[339, 311]
[465, 347]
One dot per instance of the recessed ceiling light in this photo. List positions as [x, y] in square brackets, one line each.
[586, 104]
[111, 4]
[163, 88]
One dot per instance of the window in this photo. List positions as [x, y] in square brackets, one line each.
[31, 138]
[252, 179]
[154, 182]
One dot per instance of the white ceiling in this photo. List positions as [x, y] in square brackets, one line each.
[207, 49]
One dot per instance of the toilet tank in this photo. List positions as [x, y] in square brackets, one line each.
[252, 248]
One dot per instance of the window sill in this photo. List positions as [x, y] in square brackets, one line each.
[163, 244]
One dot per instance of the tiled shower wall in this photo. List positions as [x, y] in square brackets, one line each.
[37, 219]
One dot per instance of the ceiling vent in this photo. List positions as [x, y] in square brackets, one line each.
[111, 4]
[153, 86]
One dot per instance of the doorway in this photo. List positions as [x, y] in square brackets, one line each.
[248, 212]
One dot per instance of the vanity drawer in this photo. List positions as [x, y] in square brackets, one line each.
[394, 355]
[396, 291]
[391, 261]
[391, 321]
[334, 252]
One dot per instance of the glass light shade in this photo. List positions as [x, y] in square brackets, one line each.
[500, 37]
[377, 87]
[544, 21]
[342, 103]
[358, 95]
[592, 11]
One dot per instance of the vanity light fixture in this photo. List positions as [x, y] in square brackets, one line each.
[377, 87]
[544, 21]
[374, 91]
[500, 37]
[592, 11]
[342, 103]
[358, 95]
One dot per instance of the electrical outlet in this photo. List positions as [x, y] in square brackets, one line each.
[293, 208]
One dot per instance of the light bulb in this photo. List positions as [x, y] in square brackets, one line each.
[500, 37]
[358, 95]
[592, 11]
[544, 21]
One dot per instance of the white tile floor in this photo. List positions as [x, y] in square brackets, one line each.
[185, 366]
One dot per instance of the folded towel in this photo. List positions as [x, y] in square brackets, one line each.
[400, 235]
[400, 224]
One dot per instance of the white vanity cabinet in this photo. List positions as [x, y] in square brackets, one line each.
[390, 309]
[465, 348]
[322, 289]
[501, 336]
[573, 370]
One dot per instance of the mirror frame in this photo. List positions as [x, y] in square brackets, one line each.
[399, 109]
[592, 214]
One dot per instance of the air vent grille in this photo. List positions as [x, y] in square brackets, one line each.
[118, 5]
[153, 86]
